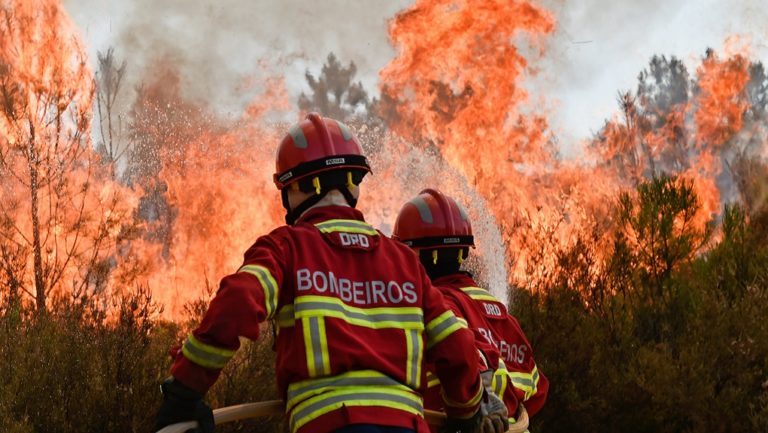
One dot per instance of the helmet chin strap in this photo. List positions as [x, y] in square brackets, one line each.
[293, 214]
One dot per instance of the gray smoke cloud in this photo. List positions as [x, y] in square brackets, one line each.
[218, 44]
[600, 46]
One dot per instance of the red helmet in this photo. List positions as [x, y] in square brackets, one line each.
[317, 144]
[433, 220]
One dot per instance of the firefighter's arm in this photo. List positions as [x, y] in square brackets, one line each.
[536, 401]
[530, 384]
[489, 354]
[244, 300]
[451, 350]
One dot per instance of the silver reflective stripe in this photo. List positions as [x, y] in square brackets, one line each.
[350, 398]
[423, 208]
[205, 358]
[268, 284]
[476, 291]
[479, 294]
[348, 224]
[317, 347]
[414, 376]
[499, 382]
[338, 382]
[297, 134]
[437, 330]
[527, 383]
[306, 307]
[345, 132]
[500, 378]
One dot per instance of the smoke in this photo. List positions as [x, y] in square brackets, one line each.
[600, 46]
[218, 46]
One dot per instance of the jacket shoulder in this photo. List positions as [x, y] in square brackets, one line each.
[277, 238]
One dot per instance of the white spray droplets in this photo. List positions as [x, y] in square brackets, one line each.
[401, 170]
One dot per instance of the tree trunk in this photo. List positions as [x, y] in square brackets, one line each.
[34, 164]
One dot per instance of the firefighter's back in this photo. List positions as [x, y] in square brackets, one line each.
[350, 324]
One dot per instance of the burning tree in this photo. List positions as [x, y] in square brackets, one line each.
[60, 215]
[704, 128]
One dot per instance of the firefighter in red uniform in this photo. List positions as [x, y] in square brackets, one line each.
[439, 230]
[356, 315]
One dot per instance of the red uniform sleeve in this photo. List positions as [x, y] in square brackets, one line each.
[244, 300]
[489, 354]
[537, 400]
[530, 385]
[451, 350]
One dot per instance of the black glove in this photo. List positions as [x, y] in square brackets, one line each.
[181, 403]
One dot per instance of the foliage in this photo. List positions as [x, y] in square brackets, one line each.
[334, 94]
[667, 339]
[80, 369]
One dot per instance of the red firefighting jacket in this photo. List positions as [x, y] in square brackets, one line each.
[357, 317]
[517, 378]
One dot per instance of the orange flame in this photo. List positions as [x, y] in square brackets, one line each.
[61, 214]
[456, 110]
[722, 101]
[456, 86]
[212, 188]
[456, 83]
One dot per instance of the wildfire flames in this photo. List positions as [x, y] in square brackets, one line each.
[60, 215]
[454, 110]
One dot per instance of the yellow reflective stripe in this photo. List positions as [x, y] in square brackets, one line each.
[526, 382]
[204, 354]
[432, 380]
[285, 317]
[326, 362]
[413, 364]
[474, 401]
[268, 284]
[316, 346]
[300, 391]
[347, 226]
[376, 318]
[439, 328]
[500, 379]
[327, 402]
[535, 379]
[479, 294]
[463, 322]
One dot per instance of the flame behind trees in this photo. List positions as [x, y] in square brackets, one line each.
[455, 86]
[705, 128]
[455, 89]
[58, 220]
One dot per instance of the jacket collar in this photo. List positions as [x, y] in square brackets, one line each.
[457, 280]
[325, 213]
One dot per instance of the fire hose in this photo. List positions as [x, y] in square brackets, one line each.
[277, 407]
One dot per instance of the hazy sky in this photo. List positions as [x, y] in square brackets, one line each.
[599, 46]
